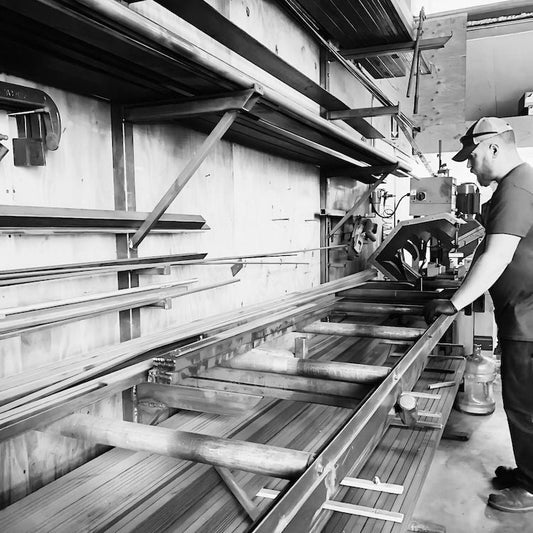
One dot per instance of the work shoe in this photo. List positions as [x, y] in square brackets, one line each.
[512, 500]
[505, 477]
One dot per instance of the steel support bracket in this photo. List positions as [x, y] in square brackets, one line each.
[245, 102]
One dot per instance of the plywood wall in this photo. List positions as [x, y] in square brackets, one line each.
[442, 93]
[78, 174]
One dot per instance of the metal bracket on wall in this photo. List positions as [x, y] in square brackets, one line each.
[38, 122]
[231, 105]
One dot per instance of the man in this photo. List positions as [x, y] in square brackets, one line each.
[503, 264]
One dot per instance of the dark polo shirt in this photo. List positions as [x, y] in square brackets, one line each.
[510, 212]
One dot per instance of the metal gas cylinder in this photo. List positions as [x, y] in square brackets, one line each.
[478, 395]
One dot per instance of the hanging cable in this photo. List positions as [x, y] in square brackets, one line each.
[388, 213]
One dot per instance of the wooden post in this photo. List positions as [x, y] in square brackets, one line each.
[303, 367]
[241, 455]
[363, 330]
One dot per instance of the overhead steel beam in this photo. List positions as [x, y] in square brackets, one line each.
[201, 15]
[190, 107]
[363, 112]
[298, 509]
[388, 49]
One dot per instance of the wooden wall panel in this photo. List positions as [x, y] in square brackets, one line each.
[78, 174]
[253, 203]
[442, 93]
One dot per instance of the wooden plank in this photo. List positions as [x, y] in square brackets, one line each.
[359, 510]
[342, 507]
[369, 484]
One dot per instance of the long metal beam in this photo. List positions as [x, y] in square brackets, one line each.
[121, 14]
[389, 49]
[298, 508]
[183, 178]
[363, 112]
[210, 21]
[191, 107]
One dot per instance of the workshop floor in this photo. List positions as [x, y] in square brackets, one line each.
[455, 492]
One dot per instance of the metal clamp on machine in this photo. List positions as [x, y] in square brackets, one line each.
[38, 122]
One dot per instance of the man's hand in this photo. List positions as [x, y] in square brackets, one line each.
[434, 308]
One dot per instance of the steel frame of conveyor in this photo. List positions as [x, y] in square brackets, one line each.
[298, 508]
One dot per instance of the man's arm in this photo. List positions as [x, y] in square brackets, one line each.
[484, 272]
[499, 251]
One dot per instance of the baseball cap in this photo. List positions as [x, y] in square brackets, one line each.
[481, 130]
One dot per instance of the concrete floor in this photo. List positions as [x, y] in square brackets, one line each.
[456, 490]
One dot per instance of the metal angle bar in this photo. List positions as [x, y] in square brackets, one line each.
[190, 107]
[186, 174]
[307, 142]
[241, 496]
[296, 509]
[389, 49]
[415, 62]
[363, 112]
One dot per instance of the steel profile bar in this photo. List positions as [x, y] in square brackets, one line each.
[297, 510]
[194, 399]
[191, 108]
[389, 49]
[186, 174]
[117, 12]
[250, 457]
[363, 112]
[363, 330]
